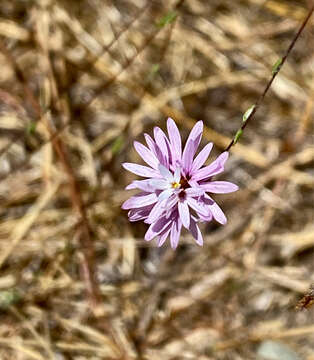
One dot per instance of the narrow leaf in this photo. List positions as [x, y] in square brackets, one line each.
[31, 127]
[276, 67]
[155, 69]
[248, 113]
[117, 145]
[237, 136]
[167, 19]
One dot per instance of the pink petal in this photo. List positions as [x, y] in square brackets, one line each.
[171, 202]
[187, 157]
[160, 139]
[177, 175]
[165, 194]
[131, 186]
[144, 185]
[191, 146]
[141, 170]
[157, 227]
[193, 192]
[196, 232]
[156, 212]
[218, 214]
[139, 201]
[219, 187]
[139, 214]
[163, 237]
[150, 143]
[146, 155]
[193, 183]
[175, 233]
[165, 172]
[198, 206]
[207, 218]
[175, 140]
[214, 168]
[154, 148]
[184, 213]
[158, 184]
[202, 157]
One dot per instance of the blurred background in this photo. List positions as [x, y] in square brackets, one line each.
[80, 80]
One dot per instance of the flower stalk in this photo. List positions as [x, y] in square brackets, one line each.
[249, 114]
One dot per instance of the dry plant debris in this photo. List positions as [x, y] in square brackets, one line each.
[79, 81]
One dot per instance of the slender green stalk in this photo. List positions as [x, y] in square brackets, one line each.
[249, 114]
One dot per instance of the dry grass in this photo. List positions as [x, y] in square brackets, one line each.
[77, 281]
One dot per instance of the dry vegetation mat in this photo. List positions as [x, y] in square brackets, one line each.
[79, 82]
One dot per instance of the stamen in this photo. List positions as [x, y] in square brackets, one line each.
[175, 185]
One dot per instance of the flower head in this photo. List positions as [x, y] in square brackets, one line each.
[175, 193]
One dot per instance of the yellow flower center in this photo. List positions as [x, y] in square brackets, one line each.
[175, 185]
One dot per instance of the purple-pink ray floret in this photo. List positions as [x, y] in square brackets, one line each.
[175, 191]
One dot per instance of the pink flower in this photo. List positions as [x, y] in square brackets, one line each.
[175, 191]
